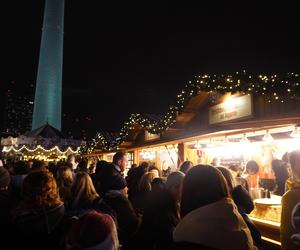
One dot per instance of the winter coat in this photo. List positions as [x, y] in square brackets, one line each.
[5, 207]
[218, 225]
[127, 220]
[98, 204]
[245, 205]
[38, 228]
[288, 202]
[159, 221]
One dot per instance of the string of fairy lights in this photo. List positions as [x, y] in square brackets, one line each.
[275, 88]
[39, 147]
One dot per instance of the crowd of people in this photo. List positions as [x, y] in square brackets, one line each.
[72, 206]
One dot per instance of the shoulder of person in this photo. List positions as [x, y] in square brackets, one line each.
[189, 246]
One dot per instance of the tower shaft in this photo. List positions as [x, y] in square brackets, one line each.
[48, 92]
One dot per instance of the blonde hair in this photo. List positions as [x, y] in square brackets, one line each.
[145, 182]
[64, 176]
[83, 190]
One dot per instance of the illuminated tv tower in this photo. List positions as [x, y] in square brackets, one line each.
[48, 92]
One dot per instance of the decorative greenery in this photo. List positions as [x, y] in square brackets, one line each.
[275, 88]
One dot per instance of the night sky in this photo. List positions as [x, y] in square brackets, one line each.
[135, 58]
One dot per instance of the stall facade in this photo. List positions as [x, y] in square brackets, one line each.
[44, 143]
[227, 121]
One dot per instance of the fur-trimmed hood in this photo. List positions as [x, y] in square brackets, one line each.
[218, 225]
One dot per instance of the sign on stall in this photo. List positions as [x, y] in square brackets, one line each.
[232, 108]
[149, 136]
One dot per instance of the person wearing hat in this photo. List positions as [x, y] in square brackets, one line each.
[114, 187]
[93, 231]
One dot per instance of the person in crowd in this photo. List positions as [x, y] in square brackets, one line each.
[85, 197]
[72, 161]
[30, 163]
[210, 219]
[161, 215]
[92, 169]
[153, 169]
[244, 203]
[296, 225]
[252, 170]
[52, 167]
[216, 162]
[281, 175]
[158, 184]
[286, 160]
[288, 202]
[133, 178]
[37, 218]
[38, 166]
[174, 186]
[131, 170]
[102, 167]
[237, 171]
[120, 162]
[144, 191]
[94, 231]
[64, 179]
[114, 190]
[82, 165]
[185, 166]
[5, 204]
[146, 180]
[21, 170]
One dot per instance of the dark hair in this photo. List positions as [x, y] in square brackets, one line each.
[158, 184]
[118, 156]
[280, 170]
[252, 166]
[38, 166]
[185, 166]
[202, 185]
[82, 165]
[234, 167]
[144, 166]
[21, 168]
[101, 165]
[228, 177]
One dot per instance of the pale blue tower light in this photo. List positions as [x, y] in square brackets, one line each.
[48, 92]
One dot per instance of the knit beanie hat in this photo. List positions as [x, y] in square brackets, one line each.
[94, 231]
[4, 177]
[117, 183]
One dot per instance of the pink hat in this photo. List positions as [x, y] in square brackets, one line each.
[94, 231]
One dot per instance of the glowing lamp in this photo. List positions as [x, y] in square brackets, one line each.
[268, 137]
[296, 132]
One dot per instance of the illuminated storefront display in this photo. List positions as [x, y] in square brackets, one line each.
[163, 157]
[231, 109]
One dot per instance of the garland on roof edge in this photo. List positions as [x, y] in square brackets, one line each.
[275, 88]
